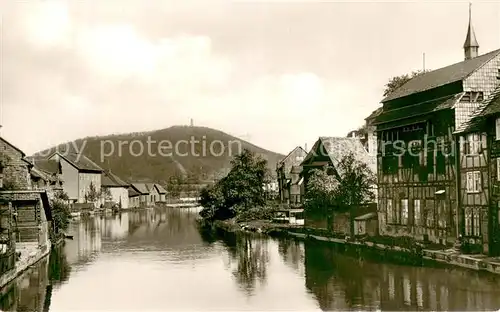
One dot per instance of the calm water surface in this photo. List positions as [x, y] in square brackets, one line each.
[158, 260]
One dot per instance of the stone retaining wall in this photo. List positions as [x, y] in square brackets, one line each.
[29, 256]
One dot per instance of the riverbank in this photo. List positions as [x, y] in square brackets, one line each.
[30, 255]
[362, 249]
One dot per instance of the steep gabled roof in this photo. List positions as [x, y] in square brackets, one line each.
[13, 146]
[490, 106]
[291, 153]
[46, 165]
[160, 189]
[111, 180]
[442, 76]
[338, 147]
[133, 191]
[417, 109]
[79, 161]
[141, 188]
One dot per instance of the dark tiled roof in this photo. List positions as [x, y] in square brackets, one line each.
[160, 188]
[374, 114]
[133, 192]
[417, 109]
[442, 76]
[110, 179]
[490, 106]
[141, 187]
[47, 165]
[81, 162]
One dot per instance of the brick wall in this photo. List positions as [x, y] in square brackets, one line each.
[15, 168]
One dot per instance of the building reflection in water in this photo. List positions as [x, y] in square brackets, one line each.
[115, 227]
[32, 291]
[86, 241]
[341, 283]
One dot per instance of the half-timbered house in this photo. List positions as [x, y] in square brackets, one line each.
[288, 172]
[479, 177]
[417, 169]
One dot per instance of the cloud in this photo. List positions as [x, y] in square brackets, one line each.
[282, 73]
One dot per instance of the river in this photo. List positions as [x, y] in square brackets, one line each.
[158, 260]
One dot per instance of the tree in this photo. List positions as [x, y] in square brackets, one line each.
[355, 186]
[174, 185]
[243, 185]
[319, 197]
[60, 212]
[93, 194]
[398, 81]
[351, 186]
[106, 194]
[240, 190]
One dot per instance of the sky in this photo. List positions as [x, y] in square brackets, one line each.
[276, 73]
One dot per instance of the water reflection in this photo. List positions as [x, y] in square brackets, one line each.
[158, 259]
[86, 242]
[248, 259]
[293, 253]
[33, 290]
[340, 282]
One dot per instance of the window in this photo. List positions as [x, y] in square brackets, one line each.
[498, 169]
[472, 145]
[468, 222]
[390, 211]
[472, 222]
[473, 181]
[429, 214]
[416, 212]
[497, 128]
[404, 211]
[475, 222]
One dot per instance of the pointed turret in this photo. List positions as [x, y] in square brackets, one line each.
[471, 46]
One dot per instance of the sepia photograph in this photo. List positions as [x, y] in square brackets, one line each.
[249, 155]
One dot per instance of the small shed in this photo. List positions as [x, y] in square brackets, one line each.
[366, 224]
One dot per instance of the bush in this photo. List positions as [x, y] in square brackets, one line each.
[255, 213]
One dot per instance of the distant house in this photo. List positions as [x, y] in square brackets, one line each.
[142, 189]
[46, 175]
[134, 196]
[154, 195]
[162, 192]
[327, 152]
[117, 188]
[288, 174]
[14, 168]
[78, 173]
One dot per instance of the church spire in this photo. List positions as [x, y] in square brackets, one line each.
[470, 46]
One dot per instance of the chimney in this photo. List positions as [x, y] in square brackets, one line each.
[305, 148]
